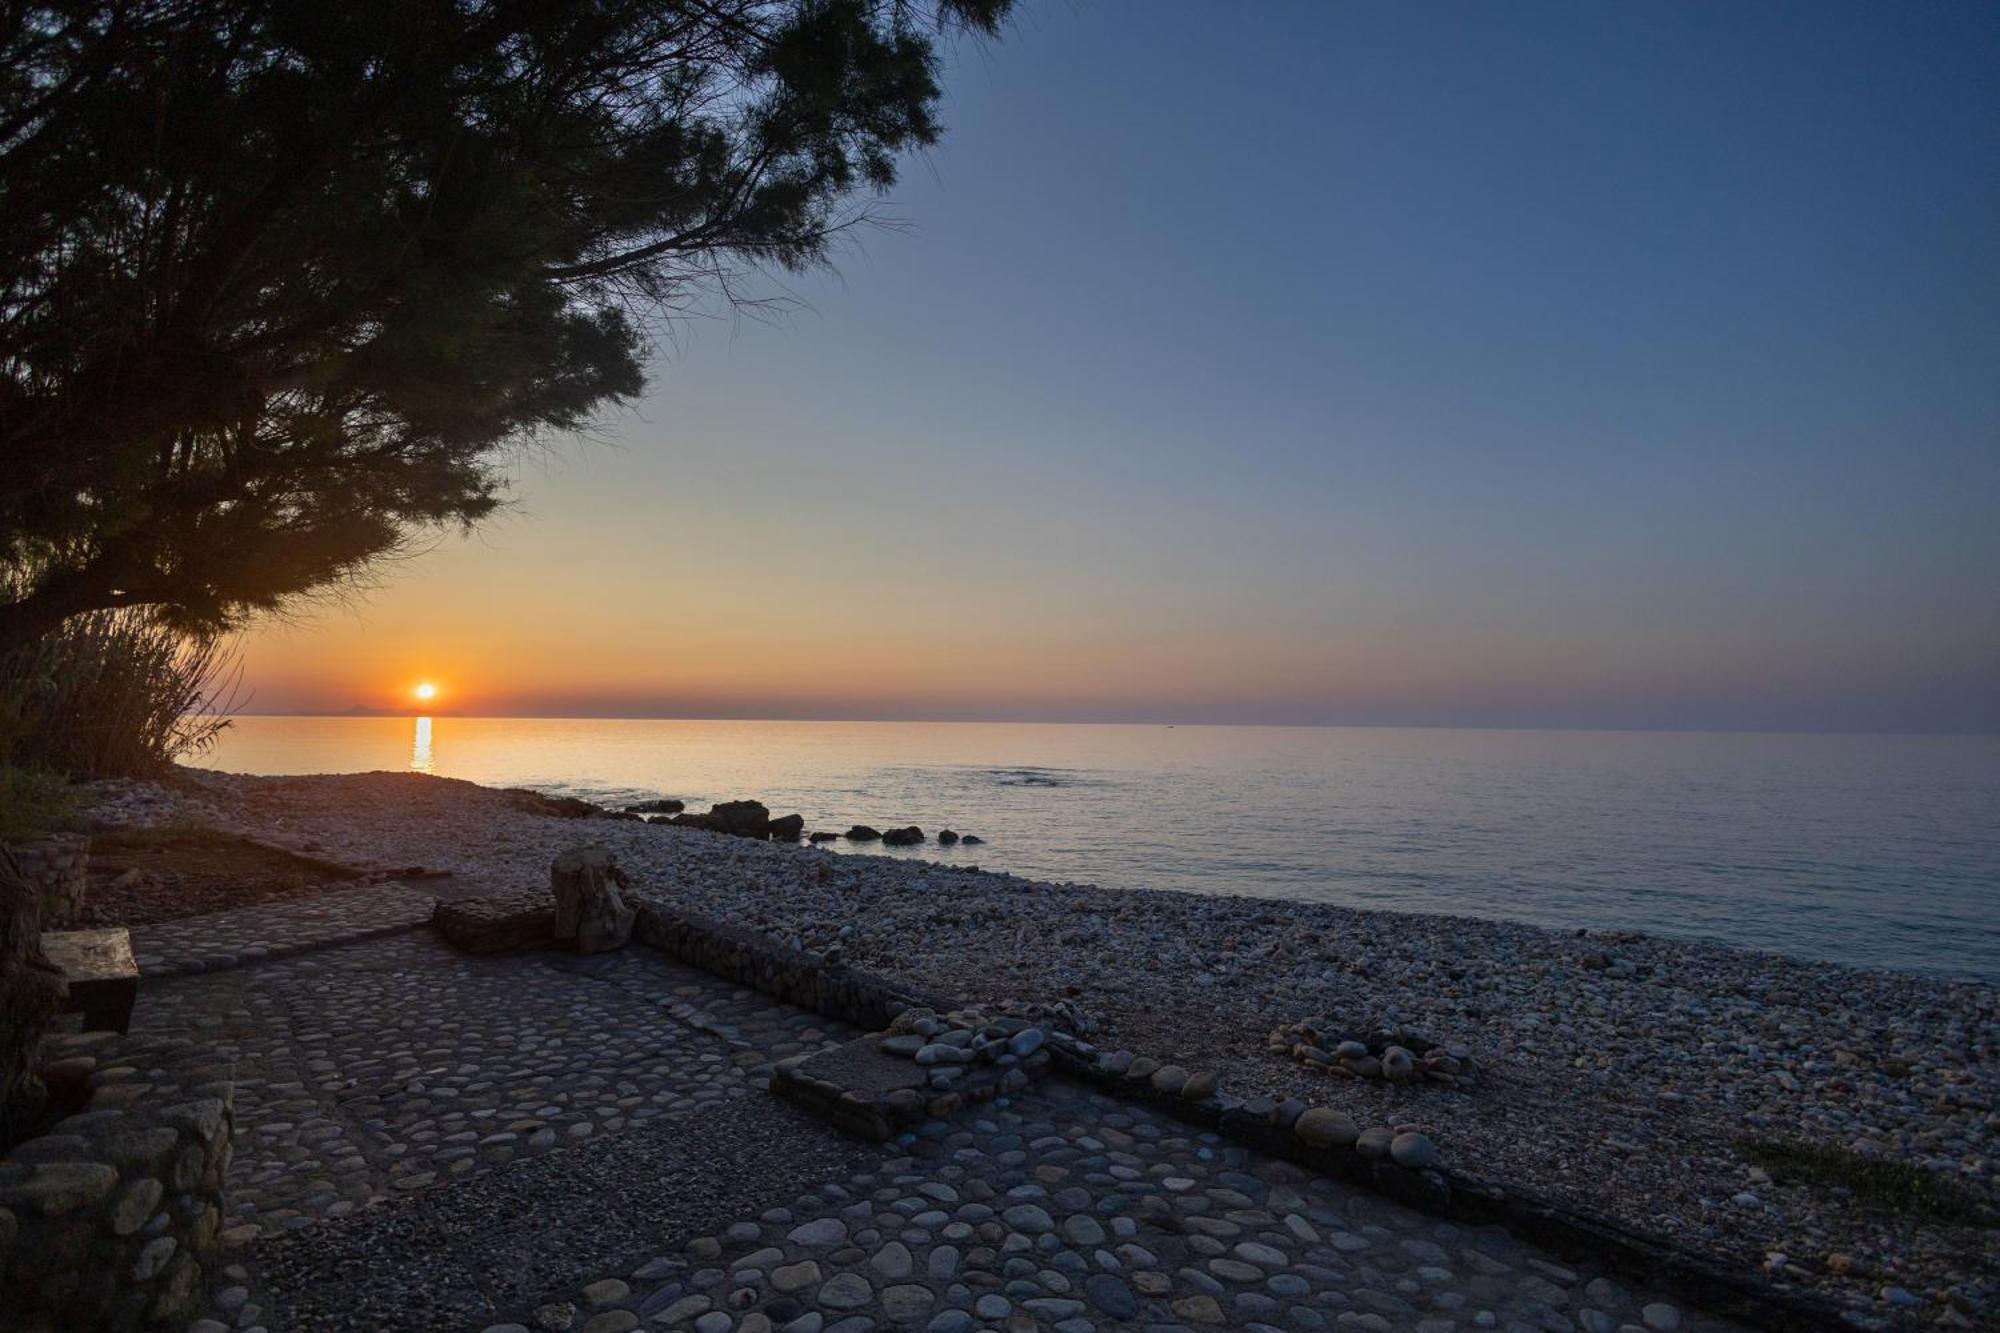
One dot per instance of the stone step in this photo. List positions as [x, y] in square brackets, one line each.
[876, 1094]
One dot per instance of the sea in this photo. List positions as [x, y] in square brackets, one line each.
[1874, 851]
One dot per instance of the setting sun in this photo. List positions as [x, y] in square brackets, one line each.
[426, 691]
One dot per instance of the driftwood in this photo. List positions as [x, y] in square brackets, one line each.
[32, 991]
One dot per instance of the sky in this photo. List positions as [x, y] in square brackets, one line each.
[1567, 365]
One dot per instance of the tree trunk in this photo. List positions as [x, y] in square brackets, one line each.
[32, 990]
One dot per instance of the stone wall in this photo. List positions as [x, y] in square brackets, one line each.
[58, 866]
[792, 975]
[108, 1220]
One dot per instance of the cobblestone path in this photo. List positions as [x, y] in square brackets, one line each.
[397, 1064]
[427, 1140]
[222, 940]
[1065, 1210]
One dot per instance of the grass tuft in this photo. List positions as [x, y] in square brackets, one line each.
[1898, 1187]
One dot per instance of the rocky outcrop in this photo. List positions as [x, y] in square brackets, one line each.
[742, 819]
[589, 908]
[863, 833]
[946, 838]
[660, 807]
[902, 837]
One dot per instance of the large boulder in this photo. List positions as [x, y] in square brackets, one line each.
[589, 908]
[790, 827]
[903, 837]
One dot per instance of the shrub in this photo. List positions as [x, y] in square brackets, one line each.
[113, 694]
[33, 803]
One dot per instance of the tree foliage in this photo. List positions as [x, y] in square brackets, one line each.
[280, 282]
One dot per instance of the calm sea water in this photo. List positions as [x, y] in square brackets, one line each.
[1873, 850]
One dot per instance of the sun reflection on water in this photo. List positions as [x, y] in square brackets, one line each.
[420, 746]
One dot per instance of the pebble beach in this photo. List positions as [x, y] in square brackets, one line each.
[1663, 1085]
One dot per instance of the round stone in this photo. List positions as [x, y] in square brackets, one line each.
[892, 1261]
[1414, 1151]
[846, 1291]
[1082, 1229]
[795, 1277]
[1110, 1294]
[907, 1302]
[1375, 1142]
[1323, 1128]
[821, 1231]
[1029, 1219]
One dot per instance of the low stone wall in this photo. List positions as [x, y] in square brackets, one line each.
[501, 923]
[58, 868]
[108, 1220]
[792, 975]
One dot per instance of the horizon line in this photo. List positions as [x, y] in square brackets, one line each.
[359, 714]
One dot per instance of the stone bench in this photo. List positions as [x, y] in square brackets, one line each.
[103, 978]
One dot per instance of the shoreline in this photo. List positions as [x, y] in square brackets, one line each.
[1619, 1074]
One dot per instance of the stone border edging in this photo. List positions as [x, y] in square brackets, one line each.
[747, 958]
[361, 913]
[872, 1002]
[1258, 1123]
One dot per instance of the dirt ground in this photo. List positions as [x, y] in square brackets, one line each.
[143, 876]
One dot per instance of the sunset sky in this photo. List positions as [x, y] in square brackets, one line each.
[1569, 365]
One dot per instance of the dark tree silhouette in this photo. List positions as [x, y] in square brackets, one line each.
[280, 283]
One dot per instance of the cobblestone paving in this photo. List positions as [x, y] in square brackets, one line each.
[412, 1123]
[224, 940]
[398, 1064]
[1064, 1210]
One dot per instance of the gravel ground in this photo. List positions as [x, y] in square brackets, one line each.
[498, 1241]
[1617, 1074]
